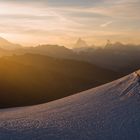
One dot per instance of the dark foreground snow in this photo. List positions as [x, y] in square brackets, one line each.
[109, 112]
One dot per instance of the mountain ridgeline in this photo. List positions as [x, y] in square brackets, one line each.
[33, 75]
[122, 58]
[108, 112]
[32, 79]
[118, 57]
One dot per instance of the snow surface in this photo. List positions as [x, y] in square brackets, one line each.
[108, 112]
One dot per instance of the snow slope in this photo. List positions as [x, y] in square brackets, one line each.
[108, 112]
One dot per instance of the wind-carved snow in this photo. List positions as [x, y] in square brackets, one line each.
[108, 112]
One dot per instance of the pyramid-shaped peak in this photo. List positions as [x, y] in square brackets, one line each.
[81, 43]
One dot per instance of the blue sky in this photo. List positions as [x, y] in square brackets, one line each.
[32, 22]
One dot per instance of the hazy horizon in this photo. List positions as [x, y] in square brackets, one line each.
[82, 44]
[35, 22]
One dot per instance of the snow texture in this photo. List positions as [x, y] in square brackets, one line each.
[108, 112]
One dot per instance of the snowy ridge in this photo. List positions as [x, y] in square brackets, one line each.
[108, 112]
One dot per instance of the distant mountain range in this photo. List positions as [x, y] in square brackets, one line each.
[49, 50]
[114, 56]
[31, 78]
[117, 57]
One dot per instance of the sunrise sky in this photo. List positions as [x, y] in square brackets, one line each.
[31, 22]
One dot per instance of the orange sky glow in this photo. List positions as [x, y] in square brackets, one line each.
[62, 22]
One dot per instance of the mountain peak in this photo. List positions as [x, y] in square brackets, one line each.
[81, 43]
[5, 44]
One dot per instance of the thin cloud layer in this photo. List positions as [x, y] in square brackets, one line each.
[52, 21]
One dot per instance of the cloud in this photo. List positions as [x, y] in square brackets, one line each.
[106, 24]
[59, 3]
[70, 18]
